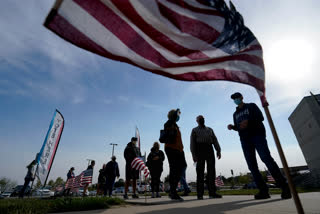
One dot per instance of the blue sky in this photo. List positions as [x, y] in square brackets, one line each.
[102, 100]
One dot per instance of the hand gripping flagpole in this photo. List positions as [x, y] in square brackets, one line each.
[284, 161]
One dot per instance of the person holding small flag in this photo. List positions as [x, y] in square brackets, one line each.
[130, 153]
[201, 140]
[70, 175]
[155, 164]
[247, 121]
[86, 185]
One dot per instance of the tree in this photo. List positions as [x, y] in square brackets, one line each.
[51, 183]
[38, 184]
[244, 179]
[59, 181]
[6, 184]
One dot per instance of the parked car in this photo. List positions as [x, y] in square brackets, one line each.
[251, 185]
[80, 192]
[59, 191]
[6, 194]
[17, 190]
[42, 193]
[271, 185]
[119, 190]
[93, 193]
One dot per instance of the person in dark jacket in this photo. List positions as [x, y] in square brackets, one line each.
[155, 164]
[201, 140]
[247, 121]
[174, 152]
[70, 175]
[29, 177]
[111, 172]
[131, 151]
[101, 180]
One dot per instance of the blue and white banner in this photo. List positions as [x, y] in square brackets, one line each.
[49, 147]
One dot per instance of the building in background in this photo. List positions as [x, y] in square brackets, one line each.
[305, 122]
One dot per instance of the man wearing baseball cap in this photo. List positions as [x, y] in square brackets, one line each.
[248, 123]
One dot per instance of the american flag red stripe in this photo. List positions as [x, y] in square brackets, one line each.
[156, 35]
[185, 24]
[177, 39]
[138, 164]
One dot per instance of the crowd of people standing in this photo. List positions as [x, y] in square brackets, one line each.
[247, 121]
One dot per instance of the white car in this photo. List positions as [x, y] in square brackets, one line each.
[6, 194]
[43, 193]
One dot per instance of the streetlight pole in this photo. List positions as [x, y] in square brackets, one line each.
[113, 144]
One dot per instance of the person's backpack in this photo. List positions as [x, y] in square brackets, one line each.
[167, 135]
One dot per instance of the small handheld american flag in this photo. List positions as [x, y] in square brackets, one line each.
[269, 177]
[219, 181]
[138, 164]
[81, 180]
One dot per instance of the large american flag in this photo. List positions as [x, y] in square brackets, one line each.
[191, 40]
[138, 164]
[81, 180]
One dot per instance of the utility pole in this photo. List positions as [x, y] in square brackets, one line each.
[113, 144]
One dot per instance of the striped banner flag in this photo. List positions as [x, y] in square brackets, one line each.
[190, 40]
[138, 164]
[219, 181]
[81, 180]
[49, 147]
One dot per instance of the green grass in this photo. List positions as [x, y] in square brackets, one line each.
[17, 206]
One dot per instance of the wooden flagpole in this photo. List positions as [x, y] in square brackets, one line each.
[284, 161]
[57, 4]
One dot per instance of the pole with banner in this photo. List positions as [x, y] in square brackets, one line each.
[49, 148]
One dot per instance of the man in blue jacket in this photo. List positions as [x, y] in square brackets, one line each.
[248, 123]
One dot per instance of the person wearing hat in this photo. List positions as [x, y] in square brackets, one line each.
[247, 121]
[175, 154]
[111, 172]
[131, 151]
[201, 140]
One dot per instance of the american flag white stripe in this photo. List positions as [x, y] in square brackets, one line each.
[162, 44]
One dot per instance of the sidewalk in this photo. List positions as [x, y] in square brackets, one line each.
[228, 204]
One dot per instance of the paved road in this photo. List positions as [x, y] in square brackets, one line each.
[228, 204]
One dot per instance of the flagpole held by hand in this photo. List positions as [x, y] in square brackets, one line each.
[284, 161]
